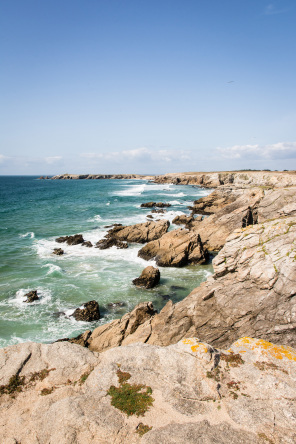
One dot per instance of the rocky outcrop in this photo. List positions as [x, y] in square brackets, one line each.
[251, 293]
[32, 296]
[239, 179]
[100, 176]
[90, 312]
[149, 278]
[140, 233]
[155, 204]
[214, 202]
[175, 249]
[64, 393]
[247, 207]
[121, 331]
[71, 240]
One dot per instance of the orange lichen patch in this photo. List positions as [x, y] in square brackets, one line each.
[199, 348]
[267, 348]
[189, 341]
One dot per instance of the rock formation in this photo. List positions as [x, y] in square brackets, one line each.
[189, 392]
[155, 204]
[149, 278]
[71, 240]
[103, 244]
[140, 233]
[175, 249]
[58, 251]
[89, 312]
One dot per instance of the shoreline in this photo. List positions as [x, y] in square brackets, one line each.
[218, 364]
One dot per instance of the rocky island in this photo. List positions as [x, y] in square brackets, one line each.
[219, 366]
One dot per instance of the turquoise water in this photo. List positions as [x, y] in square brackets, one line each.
[34, 212]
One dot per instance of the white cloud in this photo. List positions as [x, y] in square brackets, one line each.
[271, 9]
[53, 159]
[140, 154]
[281, 150]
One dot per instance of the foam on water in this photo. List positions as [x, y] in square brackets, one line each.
[132, 190]
[52, 269]
[30, 234]
[19, 299]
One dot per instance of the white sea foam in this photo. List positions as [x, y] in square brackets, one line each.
[52, 269]
[96, 218]
[133, 190]
[29, 234]
[44, 295]
[108, 203]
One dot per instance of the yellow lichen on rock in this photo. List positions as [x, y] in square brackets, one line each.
[196, 346]
[267, 348]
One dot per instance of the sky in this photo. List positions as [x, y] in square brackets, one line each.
[147, 86]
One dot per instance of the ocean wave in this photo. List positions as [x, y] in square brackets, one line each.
[133, 190]
[29, 234]
[96, 218]
[52, 269]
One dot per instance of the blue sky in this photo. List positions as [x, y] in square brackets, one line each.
[110, 86]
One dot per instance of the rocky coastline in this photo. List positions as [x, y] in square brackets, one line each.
[219, 366]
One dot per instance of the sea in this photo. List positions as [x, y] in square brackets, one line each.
[33, 213]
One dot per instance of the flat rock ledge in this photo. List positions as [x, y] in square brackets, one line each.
[198, 393]
[139, 233]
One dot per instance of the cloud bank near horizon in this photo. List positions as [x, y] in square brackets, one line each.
[148, 161]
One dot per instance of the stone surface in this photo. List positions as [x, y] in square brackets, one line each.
[149, 278]
[175, 249]
[140, 233]
[155, 204]
[32, 296]
[182, 220]
[89, 312]
[200, 394]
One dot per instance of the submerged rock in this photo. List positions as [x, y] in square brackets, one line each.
[149, 278]
[155, 204]
[87, 244]
[116, 304]
[89, 312]
[31, 296]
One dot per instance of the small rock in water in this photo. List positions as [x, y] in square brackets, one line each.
[149, 216]
[103, 244]
[177, 287]
[149, 278]
[32, 296]
[58, 251]
[71, 240]
[58, 314]
[89, 312]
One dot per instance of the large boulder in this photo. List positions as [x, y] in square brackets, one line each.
[175, 249]
[189, 392]
[182, 220]
[89, 312]
[140, 233]
[124, 330]
[149, 278]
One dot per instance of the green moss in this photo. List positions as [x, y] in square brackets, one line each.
[214, 374]
[275, 268]
[265, 438]
[14, 385]
[142, 429]
[132, 399]
[84, 377]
